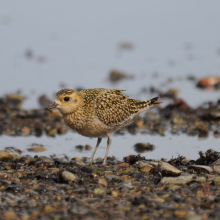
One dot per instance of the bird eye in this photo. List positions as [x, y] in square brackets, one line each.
[66, 99]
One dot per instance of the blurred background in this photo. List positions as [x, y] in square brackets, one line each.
[145, 48]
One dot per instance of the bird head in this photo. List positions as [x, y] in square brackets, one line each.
[66, 101]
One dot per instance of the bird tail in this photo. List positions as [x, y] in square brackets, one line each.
[138, 106]
[153, 101]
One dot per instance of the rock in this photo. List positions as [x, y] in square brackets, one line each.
[9, 215]
[88, 147]
[14, 101]
[214, 179]
[128, 185]
[99, 191]
[69, 177]
[169, 170]
[102, 182]
[25, 131]
[152, 163]
[123, 165]
[216, 168]
[177, 180]
[142, 164]
[139, 123]
[115, 193]
[37, 149]
[143, 147]
[145, 169]
[5, 176]
[216, 133]
[180, 213]
[44, 161]
[8, 155]
[178, 120]
[51, 132]
[110, 177]
[216, 163]
[126, 45]
[107, 172]
[61, 130]
[116, 76]
[201, 168]
[79, 163]
[54, 170]
[209, 83]
[48, 209]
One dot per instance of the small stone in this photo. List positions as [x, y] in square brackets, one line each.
[216, 133]
[152, 163]
[177, 180]
[217, 162]
[216, 168]
[5, 176]
[108, 172]
[69, 177]
[143, 147]
[142, 164]
[110, 177]
[8, 155]
[61, 130]
[99, 191]
[88, 147]
[145, 169]
[116, 75]
[214, 179]
[180, 213]
[54, 170]
[202, 168]
[102, 182]
[80, 163]
[123, 165]
[10, 214]
[52, 132]
[37, 149]
[48, 209]
[178, 120]
[168, 169]
[173, 187]
[114, 193]
[139, 123]
[128, 185]
[25, 131]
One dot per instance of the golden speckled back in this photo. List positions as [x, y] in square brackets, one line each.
[112, 107]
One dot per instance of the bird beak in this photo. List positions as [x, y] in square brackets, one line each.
[50, 107]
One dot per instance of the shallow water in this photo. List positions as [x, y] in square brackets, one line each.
[122, 145]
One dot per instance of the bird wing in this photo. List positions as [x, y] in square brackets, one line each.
[112, 107]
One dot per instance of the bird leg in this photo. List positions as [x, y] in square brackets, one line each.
[107, 149]
[96, 147]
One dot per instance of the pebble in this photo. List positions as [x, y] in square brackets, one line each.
[102, 182]
[177, 180]
[201, 167]
[168, 169]
[8, 155]
[37, 149]
[68, 176]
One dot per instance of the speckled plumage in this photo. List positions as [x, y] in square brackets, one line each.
[98, 112]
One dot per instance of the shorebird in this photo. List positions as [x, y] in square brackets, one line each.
[98, 112]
